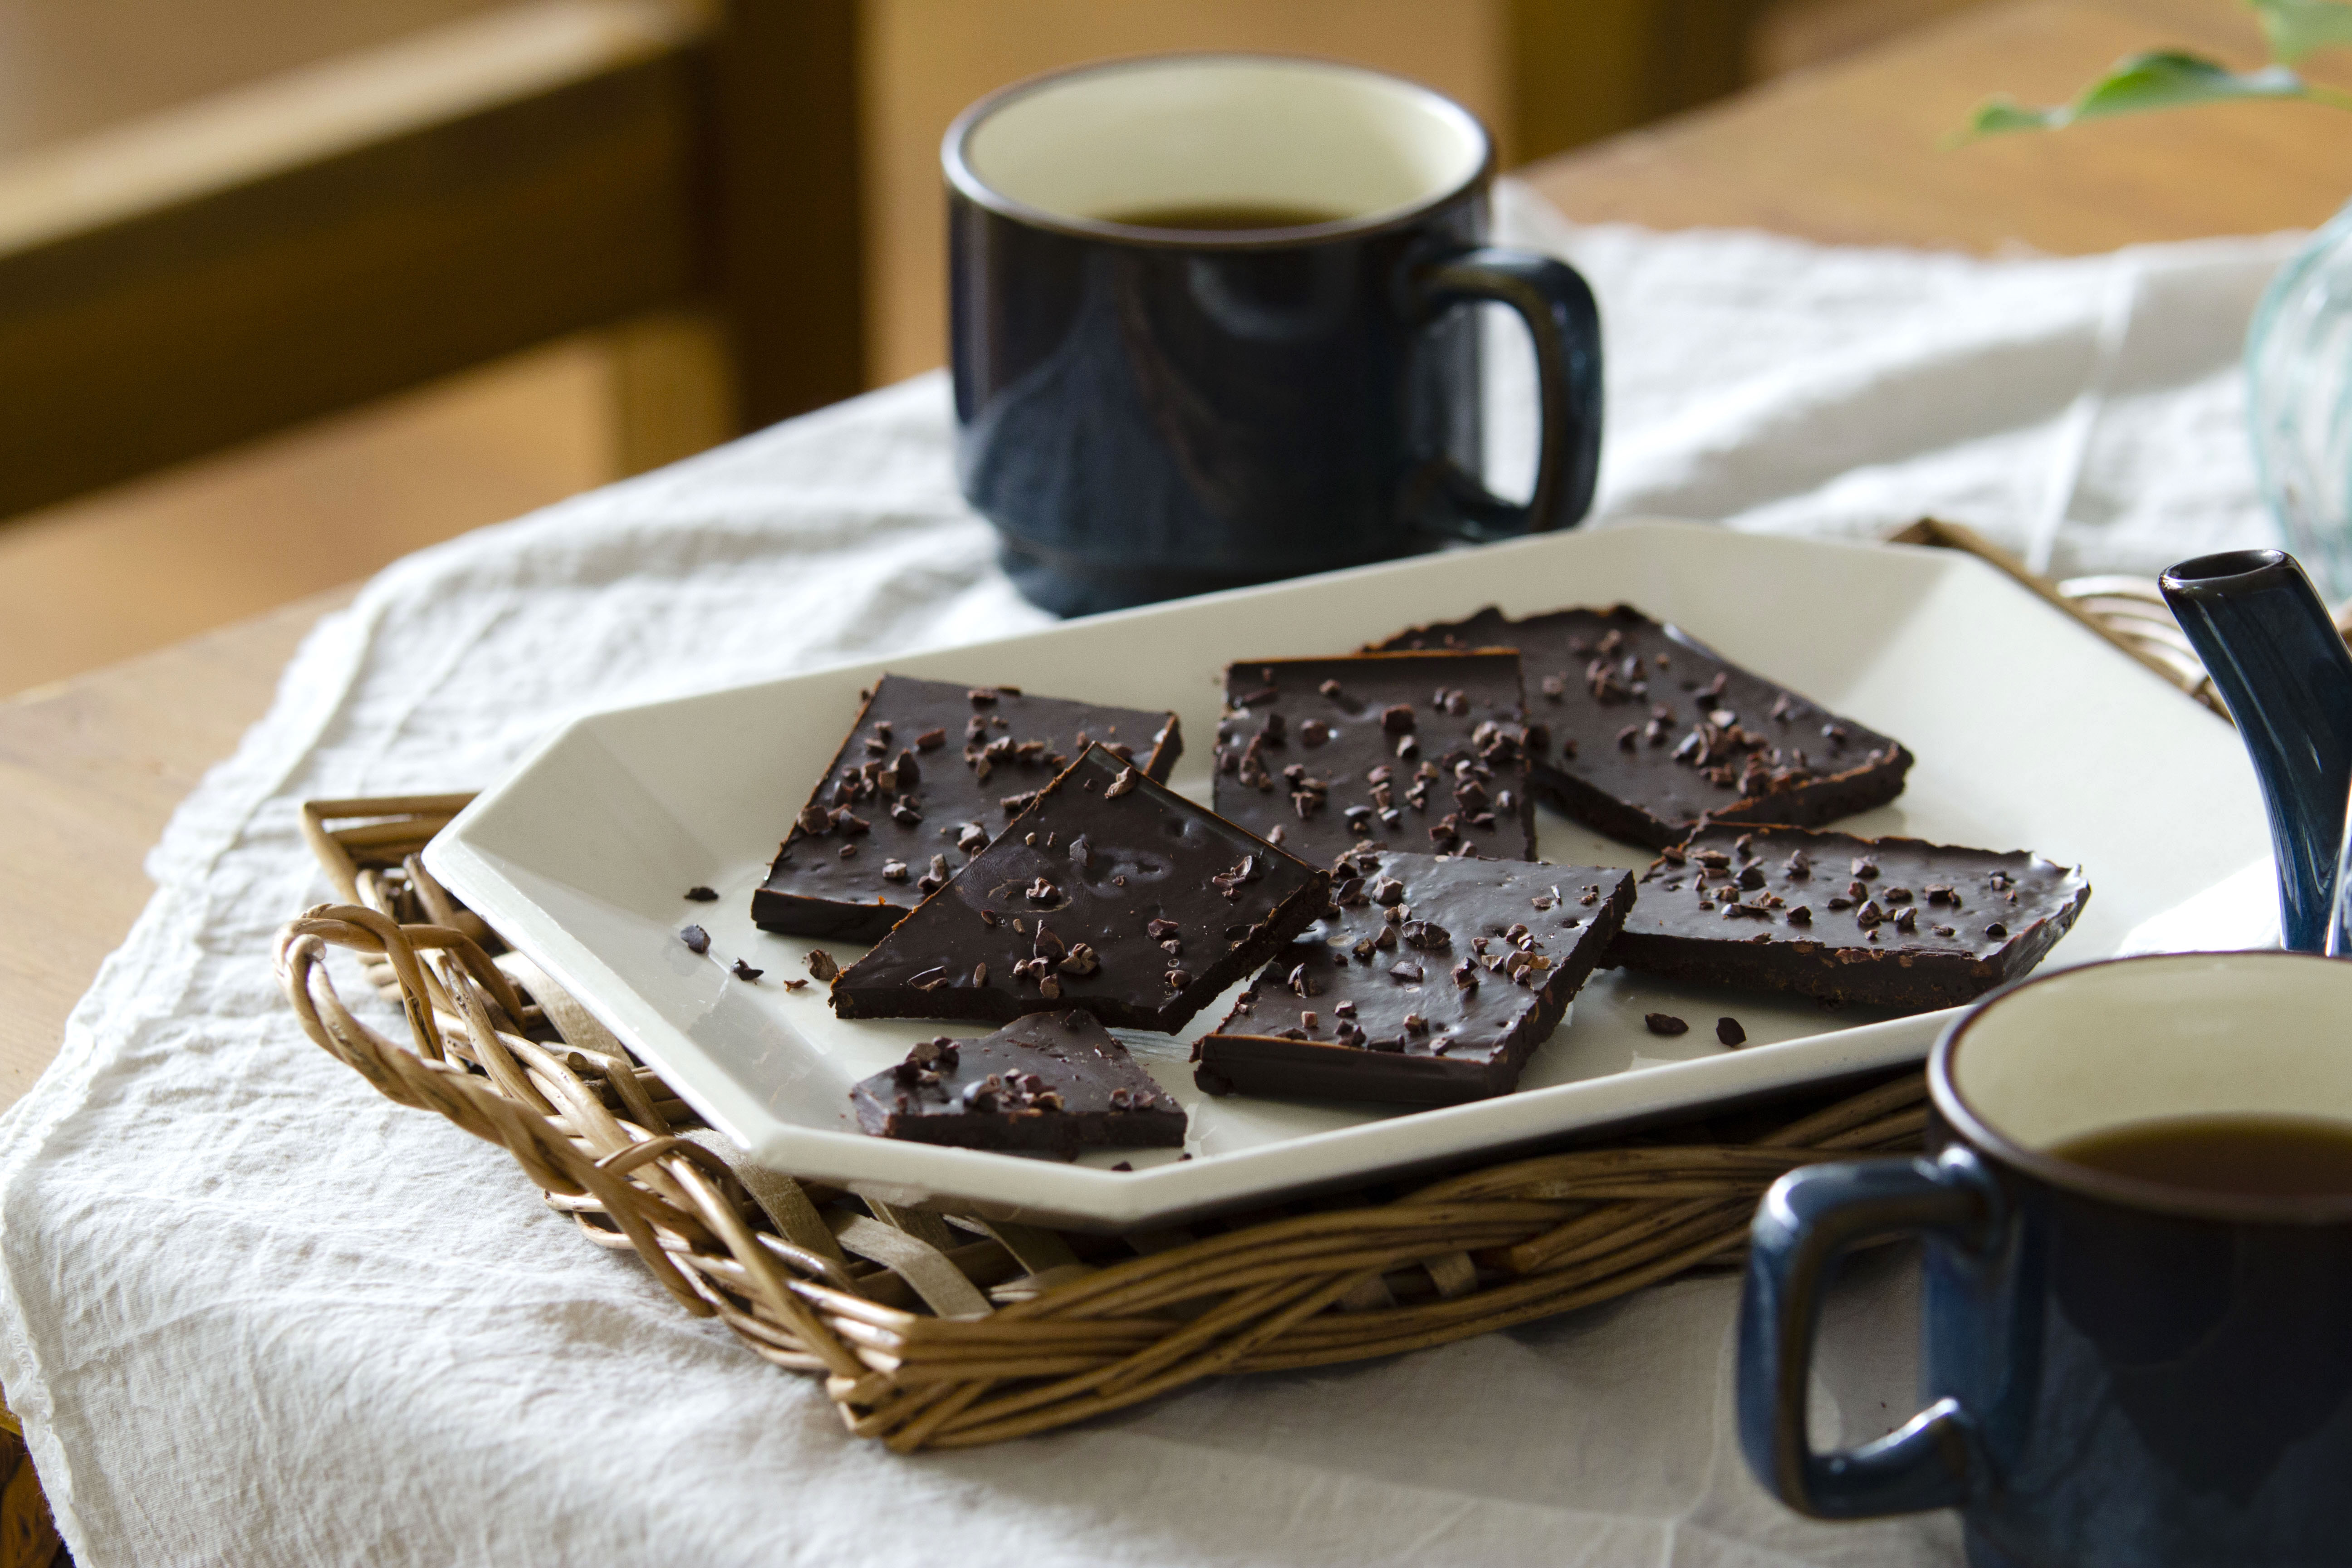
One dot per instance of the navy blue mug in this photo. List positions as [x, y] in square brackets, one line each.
[1210, 328]
[2118, 1371]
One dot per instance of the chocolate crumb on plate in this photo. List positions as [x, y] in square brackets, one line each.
[1696, 921]
[1729, 1031]
[743, 971]
[1069, 921]
[823, 965]
[894, 786]
[699, 894]
[1051, 1083]
[697, 940]
[1664, 1024]
[1708, 740]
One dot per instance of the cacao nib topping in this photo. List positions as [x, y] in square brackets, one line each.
[1506, 988]
[1359, 742]
[1923, 961]
[1702, 749]
[1138, 872]
[890, 794]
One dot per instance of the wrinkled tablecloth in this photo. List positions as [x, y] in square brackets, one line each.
[254, 1314]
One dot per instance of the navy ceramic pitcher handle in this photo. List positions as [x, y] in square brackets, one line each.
[1557, 304]
[1811, 1217]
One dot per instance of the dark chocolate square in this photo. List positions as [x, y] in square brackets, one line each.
[1412, 752]
[1640, 731]
[1891, 922]
[930, 772]
[1109, 893]
[1047, 1082]
[1432, 981]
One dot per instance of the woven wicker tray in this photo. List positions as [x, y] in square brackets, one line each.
[945, 1330]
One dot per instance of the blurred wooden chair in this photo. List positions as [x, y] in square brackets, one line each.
[280, 248]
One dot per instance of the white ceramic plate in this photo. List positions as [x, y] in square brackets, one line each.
[2030, 733]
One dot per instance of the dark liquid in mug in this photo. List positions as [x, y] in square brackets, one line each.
[1225, 216]
[2244, 1156]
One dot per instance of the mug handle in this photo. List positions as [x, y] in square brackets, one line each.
[1557, 304]
[1809, 1219]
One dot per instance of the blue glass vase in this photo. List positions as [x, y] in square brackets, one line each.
[2299, 403]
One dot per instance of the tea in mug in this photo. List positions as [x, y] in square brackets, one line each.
[1197, 216]
[2232, 1156]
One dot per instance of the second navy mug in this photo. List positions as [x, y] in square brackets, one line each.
[1209, 327]
[2117, 1373]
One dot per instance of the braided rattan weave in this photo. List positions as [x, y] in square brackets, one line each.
[946, 1331]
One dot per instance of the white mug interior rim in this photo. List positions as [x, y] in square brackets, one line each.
[2104, 1046]
[1073, 149]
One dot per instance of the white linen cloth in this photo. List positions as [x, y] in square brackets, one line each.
[254, 1314]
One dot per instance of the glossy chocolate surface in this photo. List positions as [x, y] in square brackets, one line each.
[1110, 893]
[1432, 981]
[1895, 922]
[1412, 752]
[1644, 731]
[1053, 1082]
[927, 763]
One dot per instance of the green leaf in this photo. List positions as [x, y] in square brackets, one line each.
[2001, 113]
[2160, 79]
[2296, 27]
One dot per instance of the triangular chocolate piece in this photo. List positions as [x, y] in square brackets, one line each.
[1410, 751]
[1047, 1082]
[1641, 732]
[930, 772]
[1110, 893]
[1890, 922]
[1433, 982]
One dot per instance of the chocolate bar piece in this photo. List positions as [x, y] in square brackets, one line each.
[1893, 922]
[930, 773]
[1109, 893]
[1410, 751]
[1433, 982]
[1047, 1082]
[1641, 732]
